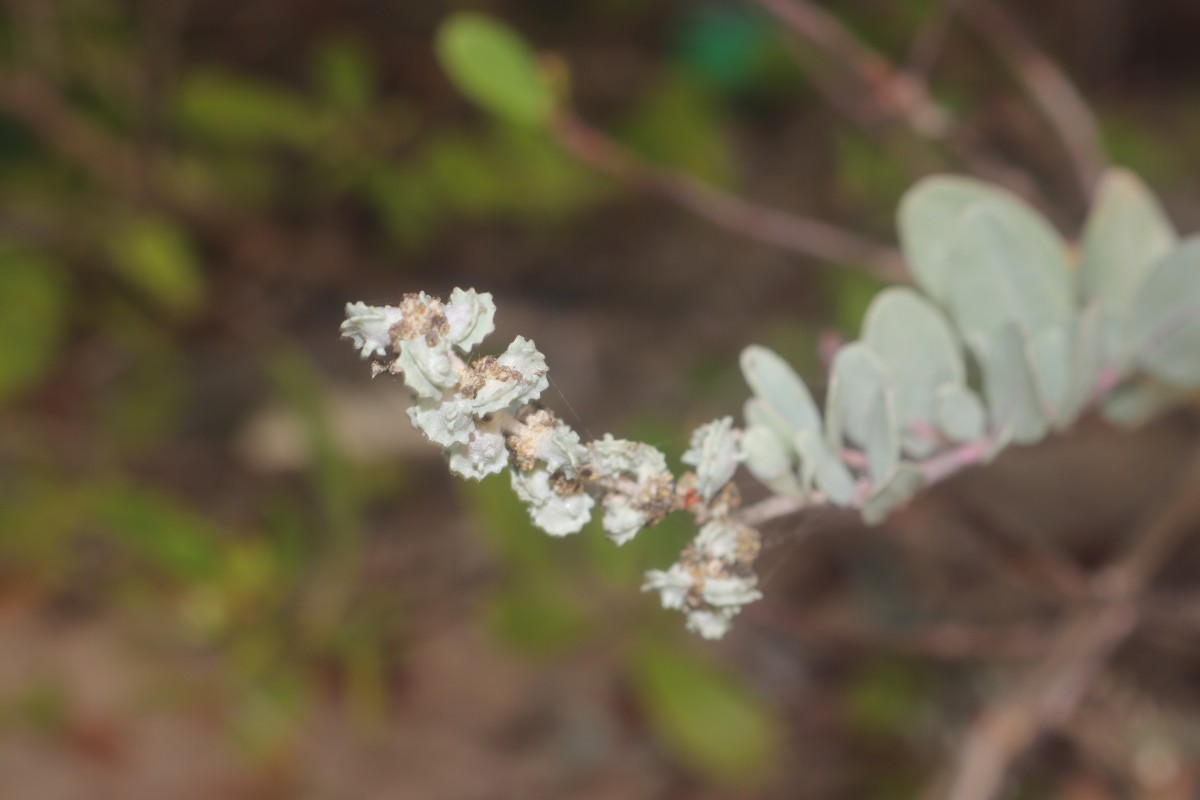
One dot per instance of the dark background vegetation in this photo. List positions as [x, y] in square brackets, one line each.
[229, 569]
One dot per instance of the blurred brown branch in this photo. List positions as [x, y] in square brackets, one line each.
[944, 641]
[106, 159]
[895, 93]
[1052, 691]
[892, 91]
[930, 39]
[790, 232]
[1047, 85]
[1033, 562]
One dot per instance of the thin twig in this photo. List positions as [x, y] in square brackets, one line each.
[1051, 692]
[928, 43]
[791, 232]
[1030, 560]
[104, 157]
[947, 641]
[1047, 85]
[896, 92]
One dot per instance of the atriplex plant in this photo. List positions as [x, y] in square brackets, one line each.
[1055, 330]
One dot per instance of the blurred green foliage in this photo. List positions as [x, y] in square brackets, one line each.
[677, 123]
[156, 256]
[708, 717]
[33, 317]
[138, 196]
[560, 595]
[493, 66]
[887, 696]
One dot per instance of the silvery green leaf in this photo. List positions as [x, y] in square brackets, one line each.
[756, 413]
[428, 370]
[768, 460]
[999, 441]
[469, 315]
[368, 327]
[861, 407]
[556, 514]
[883, 437]
[855, 376]
[484, 454]
[447, 422]
[823, 469]
[1126, 232]
[914, 339]
[1050, 355]
[713, 452]
[959, 413]
[985, 255]
[672, 585]
[730, 591]
[1135, 403]
[1009, 385]
[1165, 319]
[616, 457]
[775, 383]
[622, 519]
[901, 485]
[516, 377]
[1092, 353]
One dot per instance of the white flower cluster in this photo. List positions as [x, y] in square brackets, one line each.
[638, 488]
[713, 578]
[547, 460]
[461, 406]
[481, 413]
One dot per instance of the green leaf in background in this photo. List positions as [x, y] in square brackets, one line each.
[850, 294]
[238, 110]
[675, 123]
[503, 523]
[339, 492]
[1148, 146]
[144, 402]
[708, 719]
[157, 528]
[539, 610]
[867, 173]
[541, 617]
[490, 63]
[344, 75]
[157, 257]
[33, 310]
[886, 697]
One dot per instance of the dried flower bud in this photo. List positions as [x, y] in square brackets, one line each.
[556, 513]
